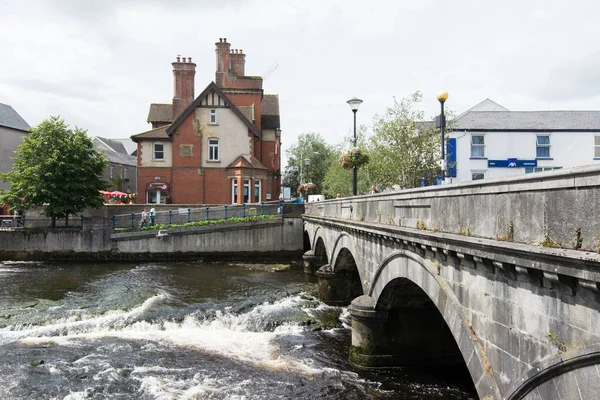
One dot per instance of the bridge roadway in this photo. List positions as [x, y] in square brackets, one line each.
[498, 277]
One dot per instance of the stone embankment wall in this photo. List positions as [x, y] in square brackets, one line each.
[276, 239]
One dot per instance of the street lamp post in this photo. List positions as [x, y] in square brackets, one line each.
[307, 163]
[354, 104]
[442, 97]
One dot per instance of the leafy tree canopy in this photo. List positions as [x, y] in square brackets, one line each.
[56, 167]
[405, 151]
[308, 161]
[337, 179]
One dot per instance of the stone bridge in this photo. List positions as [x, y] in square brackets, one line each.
[497, 277]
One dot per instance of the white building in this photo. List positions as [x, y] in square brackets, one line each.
[490, 141]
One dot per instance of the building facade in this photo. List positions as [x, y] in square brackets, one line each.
[121, 171]
[13, 129]
[490, 141]
[221, 147]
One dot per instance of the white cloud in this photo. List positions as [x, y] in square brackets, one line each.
[99, 64]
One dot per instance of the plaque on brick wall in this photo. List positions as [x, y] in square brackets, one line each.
[186, 150]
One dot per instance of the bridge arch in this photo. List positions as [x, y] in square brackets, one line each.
[405, 282]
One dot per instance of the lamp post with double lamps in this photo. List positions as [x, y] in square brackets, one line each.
[442, 97]
[354, 104]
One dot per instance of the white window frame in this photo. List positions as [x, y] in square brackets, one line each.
[124, 173]
[112, 172]
[473, 172]
[213, 149]
[478, 146]
[597, 146]
[257, 185]
[539, 146]
[155, 151]
[213, 116]
[233, 190]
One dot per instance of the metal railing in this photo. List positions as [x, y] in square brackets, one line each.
[180, 216]
[21, 221]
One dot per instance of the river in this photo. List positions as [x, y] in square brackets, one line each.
[183, 330]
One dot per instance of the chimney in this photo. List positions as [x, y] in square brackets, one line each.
[223, 61]
[183, 84]
[238, 62]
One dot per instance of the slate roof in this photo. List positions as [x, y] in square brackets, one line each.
[114, 151]
[120, 158]
[270, 104]
[113, 145]
[11, 119]
[528, 121]
[160, 113]
[158, 133]
[247, 112]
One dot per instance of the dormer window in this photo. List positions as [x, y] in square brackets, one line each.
[213, 116]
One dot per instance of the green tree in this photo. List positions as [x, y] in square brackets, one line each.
[339, 180]
[404, 149]
[312, 147]
[56, 168]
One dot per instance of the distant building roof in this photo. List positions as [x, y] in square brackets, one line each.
[113, 145]
[270, 104]
[270, 112]
[248, 112]
[130, 145]
[11, 119]
[114, 151]
[528, 120]
[160, 113]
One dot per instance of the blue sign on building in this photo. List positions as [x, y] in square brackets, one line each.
[511, 163]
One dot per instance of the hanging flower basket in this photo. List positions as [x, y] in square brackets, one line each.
[307, 188]
[354, 157]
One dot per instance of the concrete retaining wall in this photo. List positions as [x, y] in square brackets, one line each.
[280, 238]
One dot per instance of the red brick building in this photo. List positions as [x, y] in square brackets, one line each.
[221, 147]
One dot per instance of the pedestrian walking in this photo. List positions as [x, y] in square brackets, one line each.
[152, 213]
[144, 220]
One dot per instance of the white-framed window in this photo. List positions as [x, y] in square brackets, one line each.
[158, 151]
[257, 191]
[596, 146]
[530, 170]
[478, 146]
[112, 171]
[124, 173]
[213, 116]
[542, 148]
[476, 175]
[213, 149]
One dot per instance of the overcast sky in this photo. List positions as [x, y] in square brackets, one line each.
[100, 63]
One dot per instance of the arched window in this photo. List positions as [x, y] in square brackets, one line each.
[213, 149]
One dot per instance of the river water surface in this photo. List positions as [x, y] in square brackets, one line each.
[183, 331]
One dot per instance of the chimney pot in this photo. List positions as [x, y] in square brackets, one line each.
[189, 59]
[241, 51]
[225, 39]
[221, 39]
[178, 58]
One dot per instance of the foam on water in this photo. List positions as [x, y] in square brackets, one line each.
[227, 334]
[74, 325]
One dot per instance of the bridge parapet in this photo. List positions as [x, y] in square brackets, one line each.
[552, 209]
